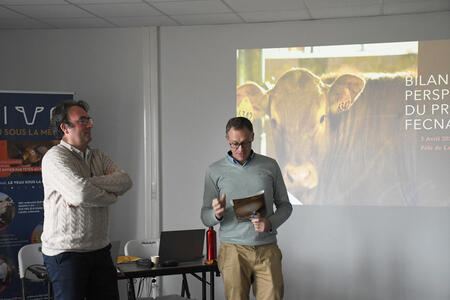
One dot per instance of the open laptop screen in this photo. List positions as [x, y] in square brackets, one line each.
[181, 245]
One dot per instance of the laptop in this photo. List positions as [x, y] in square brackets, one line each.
[181, 246]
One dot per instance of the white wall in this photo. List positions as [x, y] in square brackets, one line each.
[329, 252]
[103, 67]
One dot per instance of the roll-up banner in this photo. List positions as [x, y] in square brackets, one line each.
[24, 138]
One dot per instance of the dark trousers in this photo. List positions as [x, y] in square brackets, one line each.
[83, 275]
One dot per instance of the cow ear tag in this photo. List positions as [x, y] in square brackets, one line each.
[344, 92]
[245, 109]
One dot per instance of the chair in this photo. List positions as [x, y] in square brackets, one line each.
[31, 267]
[142, 249]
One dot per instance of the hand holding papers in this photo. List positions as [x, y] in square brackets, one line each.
[261, 224]
[249, 208]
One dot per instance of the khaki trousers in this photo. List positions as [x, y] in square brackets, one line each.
[242, 266]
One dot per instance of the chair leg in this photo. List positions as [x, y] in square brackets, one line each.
[130, 290]
[185, 287]
[24, 296]
[49, 290]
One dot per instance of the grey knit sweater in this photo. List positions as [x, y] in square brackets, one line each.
[69, 177]
[238, 181]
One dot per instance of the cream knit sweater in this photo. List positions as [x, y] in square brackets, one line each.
[70, 178]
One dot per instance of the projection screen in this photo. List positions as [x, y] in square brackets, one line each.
[362, 124]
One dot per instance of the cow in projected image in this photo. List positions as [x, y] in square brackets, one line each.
[340, 139]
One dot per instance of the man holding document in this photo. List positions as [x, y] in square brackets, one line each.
[248, 253]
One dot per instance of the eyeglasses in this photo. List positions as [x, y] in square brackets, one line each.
[84, 121]
[236, 145]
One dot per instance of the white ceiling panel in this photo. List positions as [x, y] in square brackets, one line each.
[192, 7]
[153, 1]
[415, 6]
[127, 13]
[22, 23]
[34, 2]
[340, 12]
[78, 23]
[6, 13]
[405, 1]
[226, 18]
[103, 1]
[265, 16]
[143, 21]
[265, 5]
[122, 10]
[51, 11]
[340, 3]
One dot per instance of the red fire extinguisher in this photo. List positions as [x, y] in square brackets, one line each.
[211, 254]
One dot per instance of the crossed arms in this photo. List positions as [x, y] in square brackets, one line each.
[62, 175]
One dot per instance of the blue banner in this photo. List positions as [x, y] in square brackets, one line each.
[24, 138]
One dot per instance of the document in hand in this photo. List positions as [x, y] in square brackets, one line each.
[250, 207]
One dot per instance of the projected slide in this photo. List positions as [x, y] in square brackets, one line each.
[363, 124]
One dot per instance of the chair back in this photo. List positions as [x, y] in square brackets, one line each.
[30, 254]
[142, 248]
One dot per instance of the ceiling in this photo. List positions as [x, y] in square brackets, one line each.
[48, 14]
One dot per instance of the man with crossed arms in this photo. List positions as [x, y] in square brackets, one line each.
[80, 184]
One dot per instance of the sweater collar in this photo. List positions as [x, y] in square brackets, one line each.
[76, 151]
[231, 159]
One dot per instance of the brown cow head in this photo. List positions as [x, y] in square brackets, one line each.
[300, 106]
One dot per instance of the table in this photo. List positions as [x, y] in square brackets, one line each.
[132, 270]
